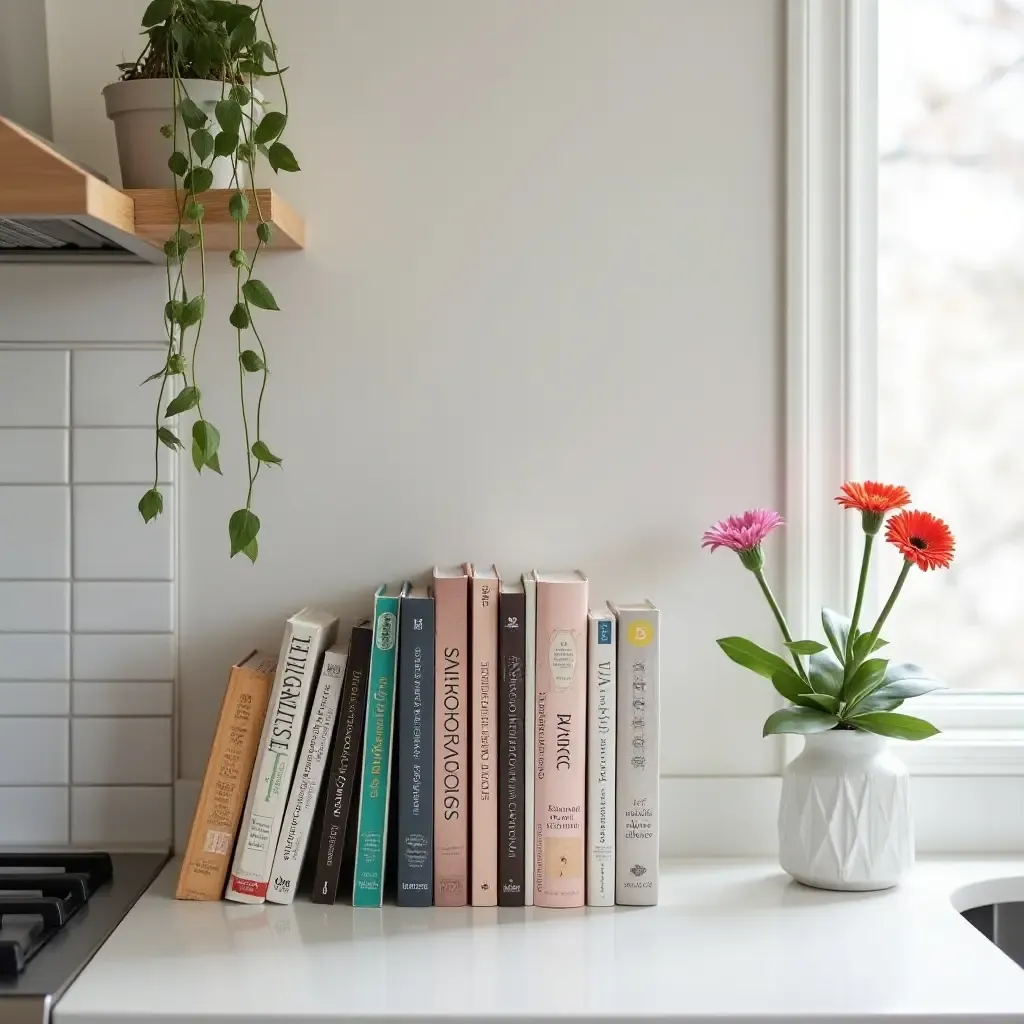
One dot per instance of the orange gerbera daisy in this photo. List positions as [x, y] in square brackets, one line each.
[873, 497]
[921, 538]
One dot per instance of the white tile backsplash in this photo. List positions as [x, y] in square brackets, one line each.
[121, 751]
[117, 455]
[34, 816]
[33, 388]
[123, 607]
[130, 657]
[39, 517]
[33, 751]
[29, 656]
[35, 606]
[114, 699]
[106, 389]
[35, 698]
[33, 456]
[111, 540]
[138, 816]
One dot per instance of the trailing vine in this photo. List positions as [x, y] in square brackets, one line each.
[231, 43]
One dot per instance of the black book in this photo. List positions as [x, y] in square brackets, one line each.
[513, 829]
[343, 780]
[415, 742]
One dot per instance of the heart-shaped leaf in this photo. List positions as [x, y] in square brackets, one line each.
[239, 318]
[187, 398]
[238, 206]
[242, 35]
[205, 438]
[258, 294]
[157, 12]
[199, 179]
[193, 311]
[240, 94]
[888, 723]
[252, 361]
[799, 720]
[191, 115]
[151, 504]
[825, 673]
[225, 143]
[229, 117]
[202, 143]
[282, 158]
[746, 653]
[264, 231]
[805, 646]
[194, 211]
[837, 629]
[270, 127]
[264, 454]
[177, 162]
[169, 438]
[243, 526]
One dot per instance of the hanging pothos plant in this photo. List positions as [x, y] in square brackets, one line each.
[230, 43]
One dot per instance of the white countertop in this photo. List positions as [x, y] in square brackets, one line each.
[731, 941]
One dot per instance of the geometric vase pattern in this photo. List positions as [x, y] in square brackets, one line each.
[844, 818]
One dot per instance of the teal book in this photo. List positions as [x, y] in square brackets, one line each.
[371, 831]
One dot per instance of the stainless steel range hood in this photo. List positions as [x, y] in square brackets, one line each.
[52, 210]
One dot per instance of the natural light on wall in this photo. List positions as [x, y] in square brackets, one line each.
[951, 321]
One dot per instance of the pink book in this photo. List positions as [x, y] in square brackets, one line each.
[561, 777]
[483, 694]
[451, 737]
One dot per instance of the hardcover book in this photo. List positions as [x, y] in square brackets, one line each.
[305, 791]
[483, 694]
[204, 869]
[346, 759]
[451, 737]
[371, 834]
[561, 780]
[601, 671]
[307, 634]
[529, 730]
[415, 876]
[636, 810]
[513, 832]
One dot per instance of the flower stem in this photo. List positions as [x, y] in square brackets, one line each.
[779, 618]
[858, 604]
[904, 572]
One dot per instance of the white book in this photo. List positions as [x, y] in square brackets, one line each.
[530, 728]
[298, 820]
[307, 634]
[601, 673]
[638, 745]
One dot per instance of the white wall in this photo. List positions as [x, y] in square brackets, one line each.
[538, 321]
[24, 82]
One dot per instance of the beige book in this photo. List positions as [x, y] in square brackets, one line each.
[236, 741]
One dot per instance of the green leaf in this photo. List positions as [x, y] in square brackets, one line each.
[252, 550]
[238, 206]
[252, 361]
[799, 720]
[240, 94]
[805, 646]
[264, 454]
[265, 50]
[239, 318]
[151, 504]
[225, 143]
[826, 673]
[861, 646]
[243, 526]
[264, 231]
[258, 294]
[237, 258]
[187, 398]
[191, 114]
[822, 701]
[746, 653]
[242, 35]
[169, 438]
[888, 723]
[229, 116]
[868, 678]
[177, 162]
[176, 364]
[250, 67]
[167, 130]
[202, 143]
[205, 438]
[902, 681]
[245, 152]
[157, 12]
[199, 179]
[281, 158]
[194, 211]
[155, 376]
[214, 463]
[791, 686]
[183, 239]
[174, 308]
[193, 311]
[837, 629]
[197, 457]
[181, 36]
[270, 127]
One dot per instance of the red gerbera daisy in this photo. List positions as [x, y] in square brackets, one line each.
[921, 538]
[873, 497]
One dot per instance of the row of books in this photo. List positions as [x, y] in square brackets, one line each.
[477, 741]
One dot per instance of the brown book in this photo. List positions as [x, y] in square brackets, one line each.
[236, 742]
[451, 737]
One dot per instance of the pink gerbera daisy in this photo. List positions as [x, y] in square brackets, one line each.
[743, 534]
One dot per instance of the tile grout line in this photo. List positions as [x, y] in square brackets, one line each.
[71, 594]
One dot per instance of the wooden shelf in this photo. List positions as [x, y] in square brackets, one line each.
[156, 218]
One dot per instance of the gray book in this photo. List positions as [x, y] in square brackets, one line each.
[637, 755]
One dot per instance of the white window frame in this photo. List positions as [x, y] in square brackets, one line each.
[831, 355]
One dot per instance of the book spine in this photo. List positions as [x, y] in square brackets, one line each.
[561, 743]
[483, 859]
[529, 733]
[211, 842]
[371, 838]
[513, 832]
[345, 761]
[271, 780]
[302, 801]
[601, 763]
[416, 753]
[451, 744]
[637, 814]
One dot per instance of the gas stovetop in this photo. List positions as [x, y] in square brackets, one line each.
[56, 909]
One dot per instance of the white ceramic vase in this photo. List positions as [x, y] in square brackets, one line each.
[844, 819]
[140, 107]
